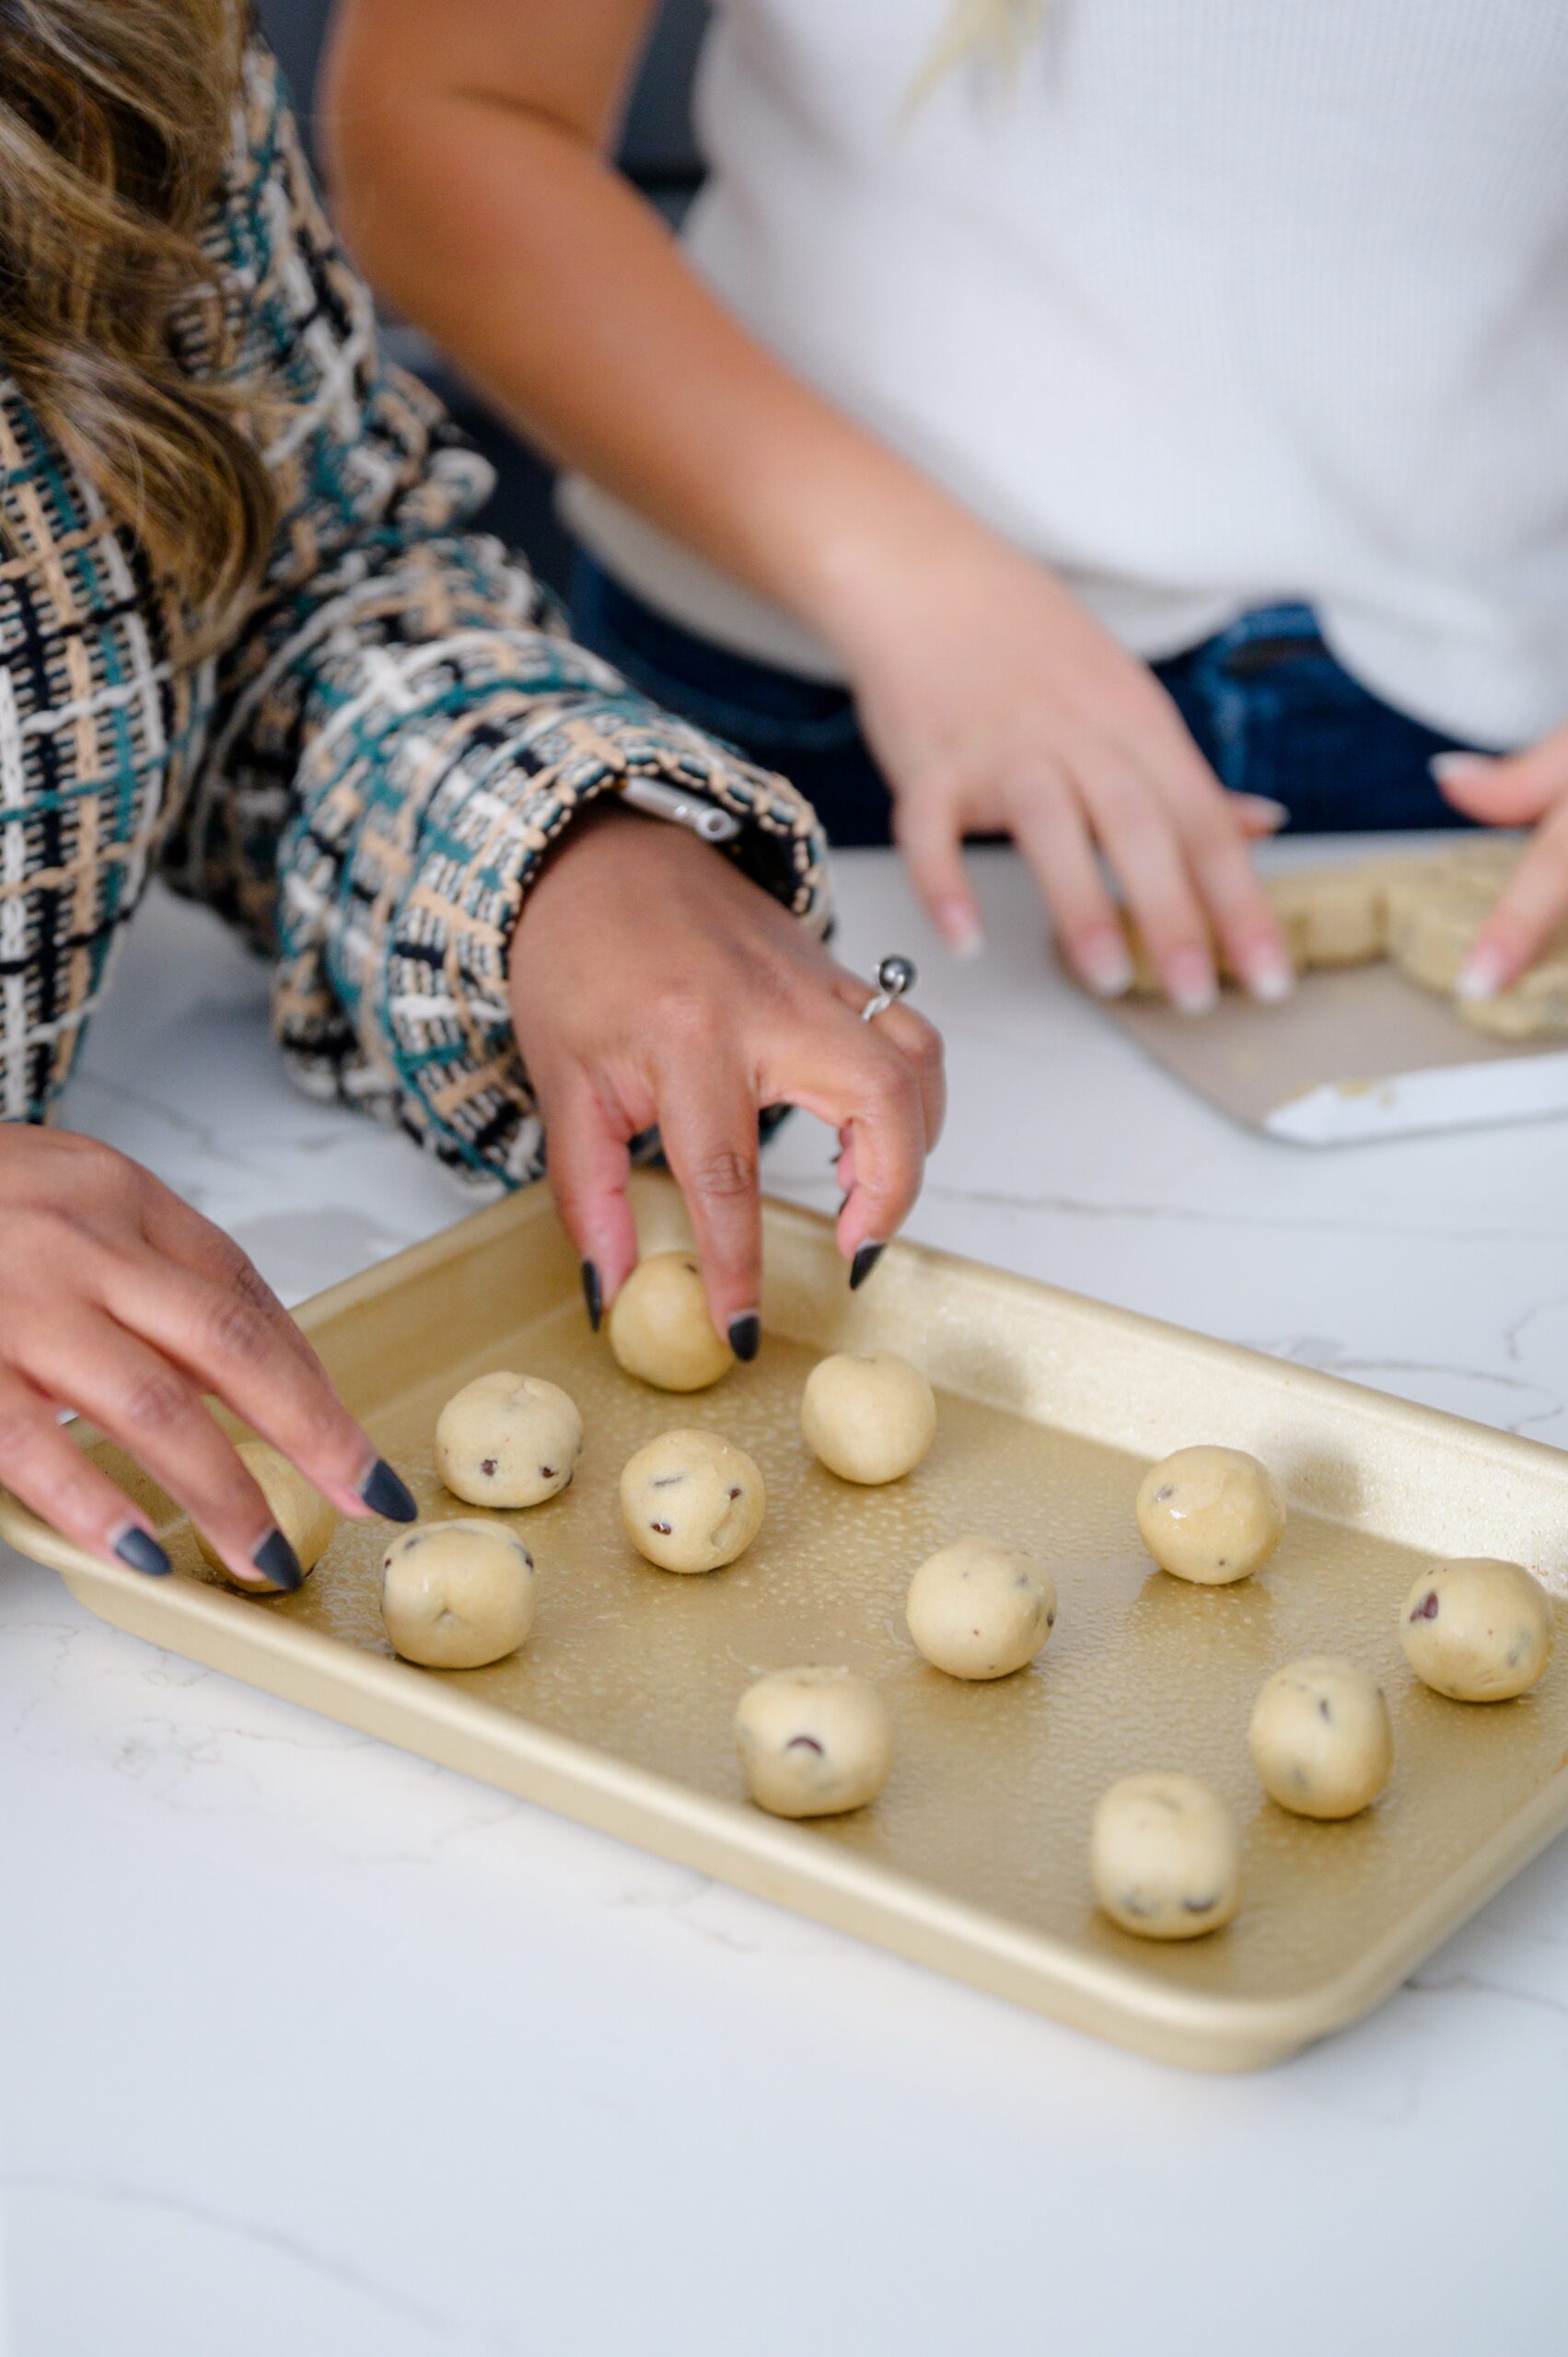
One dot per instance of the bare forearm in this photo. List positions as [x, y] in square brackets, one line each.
[562, 294]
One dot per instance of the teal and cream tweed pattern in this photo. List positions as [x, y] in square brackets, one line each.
[366, 779]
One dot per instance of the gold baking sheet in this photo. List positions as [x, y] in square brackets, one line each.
[973, 1860]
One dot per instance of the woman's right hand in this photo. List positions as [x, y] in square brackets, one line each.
[119, 1301]
[996, 704]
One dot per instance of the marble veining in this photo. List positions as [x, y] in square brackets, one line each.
[310, 2044]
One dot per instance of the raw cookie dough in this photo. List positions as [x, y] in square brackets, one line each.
[297, 1507]
[979, 1610]
[813, 1742]
[691, 1501]
[1423, 913]
[1210, 1514]
[507, 1440]
[1321, 1737]
[1477, 1631]
[457, 1594]
[659, 1327]
[1165, 1858]
[870, 1418]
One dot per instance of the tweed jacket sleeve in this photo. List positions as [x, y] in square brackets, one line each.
[367, 777]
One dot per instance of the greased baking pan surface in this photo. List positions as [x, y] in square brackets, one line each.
[974, 1859]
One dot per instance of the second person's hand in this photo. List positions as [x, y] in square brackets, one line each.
[996, 705]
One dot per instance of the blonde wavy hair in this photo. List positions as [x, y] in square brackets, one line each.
[114, 126]
[999, 32]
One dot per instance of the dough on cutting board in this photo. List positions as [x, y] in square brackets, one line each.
[979, 1610]
[1210, 1514]
[1321, 1737]
[297, 1507]
[1477, 1629]
[457, 1594]
[507, 1440]
[659, 1327]
[813, 1742]
[1165, 1858]
[1423, 913]
[869, 1418]
[691, 1501]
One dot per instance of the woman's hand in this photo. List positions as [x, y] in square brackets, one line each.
[1526, 789]
[996, 705]
[652, 983]
[119, 1301]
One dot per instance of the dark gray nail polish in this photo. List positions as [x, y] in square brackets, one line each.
[386, 1492]
[865, 1260]
[277, 1561]
[746, 1335]
[143, 1554]
[593, 1294]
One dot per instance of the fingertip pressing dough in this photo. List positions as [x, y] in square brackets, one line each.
[457, 1594]
[659, 1327]
[1210, 1514]
[1321, 1737]
[1165, 1858]
[870, 1418]
[979, 1610]
[507, 1440]
[691, 1501]
[1477, 1631]
[813, 1742]
[297, 1507]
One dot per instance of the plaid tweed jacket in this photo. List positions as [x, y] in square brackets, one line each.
[364, 780]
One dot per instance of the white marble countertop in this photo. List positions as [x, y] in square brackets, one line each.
[308, 2047]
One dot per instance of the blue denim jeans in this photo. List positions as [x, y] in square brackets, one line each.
[1270, 709]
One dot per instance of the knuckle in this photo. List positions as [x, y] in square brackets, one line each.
[156, 1401]
[235, 1330]
[888, 1086]
[726, 1174]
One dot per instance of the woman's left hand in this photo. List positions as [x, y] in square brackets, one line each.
[1528, 789]
[652, 983]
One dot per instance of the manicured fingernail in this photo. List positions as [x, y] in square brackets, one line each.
[277, 1561]
[960, 930]
[386, 1492]
[1105, 965]
[1189, 979]
[746, 1335]
[865, 1260]
[1481, 974]
[1270, 976]
[1452, 769]
[593, 1294]
[142, 1551]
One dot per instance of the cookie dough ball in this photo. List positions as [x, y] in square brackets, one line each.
[457, 1594]
[814, 1742]
[507, 1440]
[1321, 1737]
[659, 1327]
[1165, 1857]
[691, 1501]
[1210, 1514]
[979, 1610]
[1477, 1631]
[297, 1507]
[868, 1418]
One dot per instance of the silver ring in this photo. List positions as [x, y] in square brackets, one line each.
[895, 976]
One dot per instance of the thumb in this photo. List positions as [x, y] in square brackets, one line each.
[1511, 790]
[927, 834]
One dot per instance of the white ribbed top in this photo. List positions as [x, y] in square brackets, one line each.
[1227, 301]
